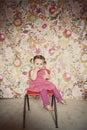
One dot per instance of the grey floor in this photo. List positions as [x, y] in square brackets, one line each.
[72, 116]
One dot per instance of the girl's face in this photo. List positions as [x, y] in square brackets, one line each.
[39, 63]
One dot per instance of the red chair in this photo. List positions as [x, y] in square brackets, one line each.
[27, 103]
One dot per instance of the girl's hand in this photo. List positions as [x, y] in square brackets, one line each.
[36, 69]
[46, 76]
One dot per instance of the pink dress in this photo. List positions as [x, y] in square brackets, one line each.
[40, 83]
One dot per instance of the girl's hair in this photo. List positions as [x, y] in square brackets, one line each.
[32, 60]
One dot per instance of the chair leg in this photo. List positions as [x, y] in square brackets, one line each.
[28, 103]
[55, 110]
[24, 111]
[52, 100]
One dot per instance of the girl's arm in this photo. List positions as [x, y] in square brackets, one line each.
[46, 75]
[33, 74]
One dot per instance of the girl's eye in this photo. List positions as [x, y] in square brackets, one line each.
[36, 63]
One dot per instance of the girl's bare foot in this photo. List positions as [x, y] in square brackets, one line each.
[63, 102]
[49, 108]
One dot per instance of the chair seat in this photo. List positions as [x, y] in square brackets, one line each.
[32, 93]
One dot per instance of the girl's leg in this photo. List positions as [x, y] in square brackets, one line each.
[45, 99]
[58, 96]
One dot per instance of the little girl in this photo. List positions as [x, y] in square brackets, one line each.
[39, 81]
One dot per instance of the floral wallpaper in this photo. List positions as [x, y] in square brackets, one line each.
[56, 29]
